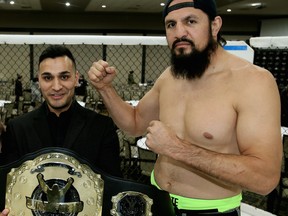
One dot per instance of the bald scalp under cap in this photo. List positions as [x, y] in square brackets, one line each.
[207, 6]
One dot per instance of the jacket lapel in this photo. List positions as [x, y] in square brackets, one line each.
[76, 124]
[41, 126]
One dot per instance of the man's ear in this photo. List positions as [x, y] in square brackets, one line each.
[216, 26]
[76, 78]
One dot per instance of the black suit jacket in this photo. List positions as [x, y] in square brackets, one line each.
[90, 135]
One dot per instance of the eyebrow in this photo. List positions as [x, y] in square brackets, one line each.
[191, 16]
[61, 73]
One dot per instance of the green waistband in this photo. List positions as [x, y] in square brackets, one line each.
[201, 204]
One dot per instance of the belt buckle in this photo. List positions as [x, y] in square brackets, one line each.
[131, 203]
[54, 183]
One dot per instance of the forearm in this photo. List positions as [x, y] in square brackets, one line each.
[249, 172]
[122, 113]
[126, 117]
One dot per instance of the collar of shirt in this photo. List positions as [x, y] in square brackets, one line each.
[59, 125]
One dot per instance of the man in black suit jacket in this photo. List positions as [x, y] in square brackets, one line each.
[60, 121]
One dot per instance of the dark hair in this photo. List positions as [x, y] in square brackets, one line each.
[54, 51]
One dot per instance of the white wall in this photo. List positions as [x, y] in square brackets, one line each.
[274, 27]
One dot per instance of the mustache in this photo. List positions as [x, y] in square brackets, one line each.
[181, 40]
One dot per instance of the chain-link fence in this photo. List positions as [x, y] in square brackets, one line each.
[23, 60]
[276, 61]
[146, 61]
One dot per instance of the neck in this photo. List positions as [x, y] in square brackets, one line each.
[217, 61]
[59, 110]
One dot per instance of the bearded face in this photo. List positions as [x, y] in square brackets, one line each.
[192, 65]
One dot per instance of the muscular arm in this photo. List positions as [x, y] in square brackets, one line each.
[259, 135]
[132, 120]
[122, 113]
[256, 173]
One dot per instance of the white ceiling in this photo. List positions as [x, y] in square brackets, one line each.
[243, 7]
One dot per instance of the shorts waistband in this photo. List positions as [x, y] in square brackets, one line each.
[185, 203]
[212, 212]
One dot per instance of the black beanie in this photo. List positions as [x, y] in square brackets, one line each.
[207, 6]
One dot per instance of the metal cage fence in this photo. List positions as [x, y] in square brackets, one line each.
[276, 61]
[146, 58]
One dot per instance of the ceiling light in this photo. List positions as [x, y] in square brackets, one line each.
[12, 2]
[229, 10]
[258, 4]
[162, 4]
[67, 4]
[103, 6]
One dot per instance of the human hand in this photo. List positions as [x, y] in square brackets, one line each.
[4, 212]
[161, 139]
[101, 74]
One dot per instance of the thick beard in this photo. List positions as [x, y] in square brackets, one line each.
[192, 65]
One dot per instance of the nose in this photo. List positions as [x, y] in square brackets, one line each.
[180, 31]
[57, 84]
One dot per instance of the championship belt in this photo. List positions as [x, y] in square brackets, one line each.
[56, 181]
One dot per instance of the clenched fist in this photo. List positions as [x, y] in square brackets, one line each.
[161, 139]
[101, 74]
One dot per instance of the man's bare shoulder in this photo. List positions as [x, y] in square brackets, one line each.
[255, 73]
[250, 82]
[247, 71]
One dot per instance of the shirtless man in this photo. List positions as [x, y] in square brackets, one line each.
[212, 117]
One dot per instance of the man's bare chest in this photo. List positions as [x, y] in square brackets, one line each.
[204, 118]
